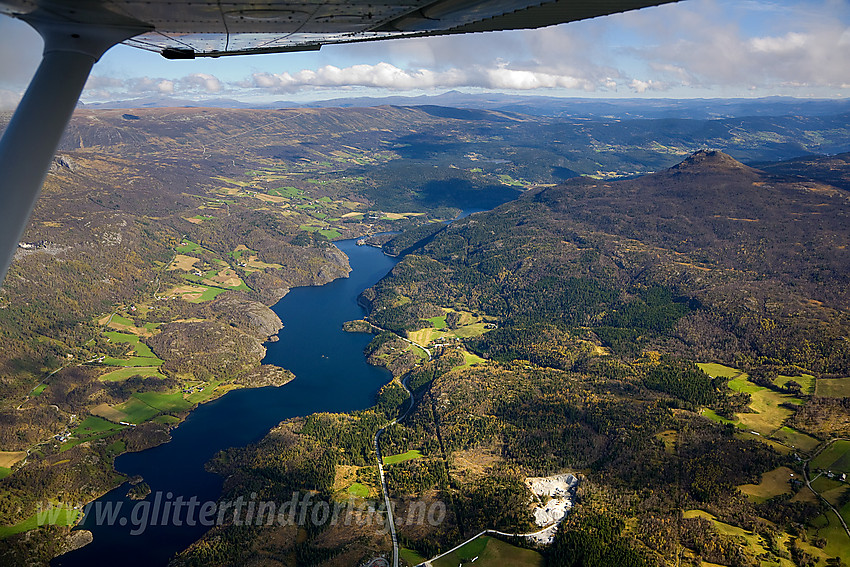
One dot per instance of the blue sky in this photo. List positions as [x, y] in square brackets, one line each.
[695, 48]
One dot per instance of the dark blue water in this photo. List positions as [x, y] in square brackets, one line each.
[331, 375]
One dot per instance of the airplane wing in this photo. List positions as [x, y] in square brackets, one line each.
[190, 28]
[77, 32]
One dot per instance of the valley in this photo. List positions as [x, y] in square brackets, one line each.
[668, 323]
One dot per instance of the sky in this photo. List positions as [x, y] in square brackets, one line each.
[691, 49]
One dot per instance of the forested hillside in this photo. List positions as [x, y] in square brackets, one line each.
[678, 339]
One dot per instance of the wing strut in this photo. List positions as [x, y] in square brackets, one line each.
[33, 134]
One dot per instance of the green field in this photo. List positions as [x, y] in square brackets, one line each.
[116, 318]
[90, 429]
[756, 543]
[438, 322]
[116, 448]
[827, 526]
[119, 337]
[164, 402]
[469, 359]
[143, 355]
[209, 294]
[133, 361]
[710, 414]
[772, 483]
[93, 425]
[286, 192]
[330, 234]
[189, 247]
[205, 394]
[401, 457]
[55, 516]
[166, 419]
[833, 387]
[358, 490]
[4, 472]
[466, 553]
[38, 389]
[490, 552]
[822, 484]
[124, 373]
[834, 458]
[135, 410]
[741, 384]
[468, 331]
[716, 370]
[410, 557]
[806, 382]
[237, 254]
[796, 439]
[768, 414]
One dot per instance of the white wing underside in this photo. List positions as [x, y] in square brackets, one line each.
[187, 28]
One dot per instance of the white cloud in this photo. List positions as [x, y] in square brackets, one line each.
[101, 87]
[641, 87]
[383, 75]
[791, 41]
[798, 45]
[203, 82]
[386, 76]
[503, 78]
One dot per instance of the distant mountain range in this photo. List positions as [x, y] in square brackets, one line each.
[591, 108]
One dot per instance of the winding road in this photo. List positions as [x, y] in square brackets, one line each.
[390, 519]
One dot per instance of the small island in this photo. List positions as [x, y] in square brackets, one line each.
[359, 326]
[139, 491]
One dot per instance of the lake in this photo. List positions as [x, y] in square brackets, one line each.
[331, 375]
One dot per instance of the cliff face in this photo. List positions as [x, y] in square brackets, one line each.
[251, 316]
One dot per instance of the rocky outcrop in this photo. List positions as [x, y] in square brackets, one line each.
[250, 316]
[75, 540]
[265, 375]
[63, 162]
[206, 349]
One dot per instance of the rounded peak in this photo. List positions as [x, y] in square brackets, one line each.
[710, 160]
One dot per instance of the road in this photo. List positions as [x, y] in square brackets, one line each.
[390, 519]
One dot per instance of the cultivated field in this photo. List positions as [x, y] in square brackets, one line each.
[772, 483]
[490, 552]
[833, 387]
[9, 458]
[124, 373]
[768, 414]
[402, 457]
[835, 458]
[185, 263]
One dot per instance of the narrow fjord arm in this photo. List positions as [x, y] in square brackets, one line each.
[33, 134]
